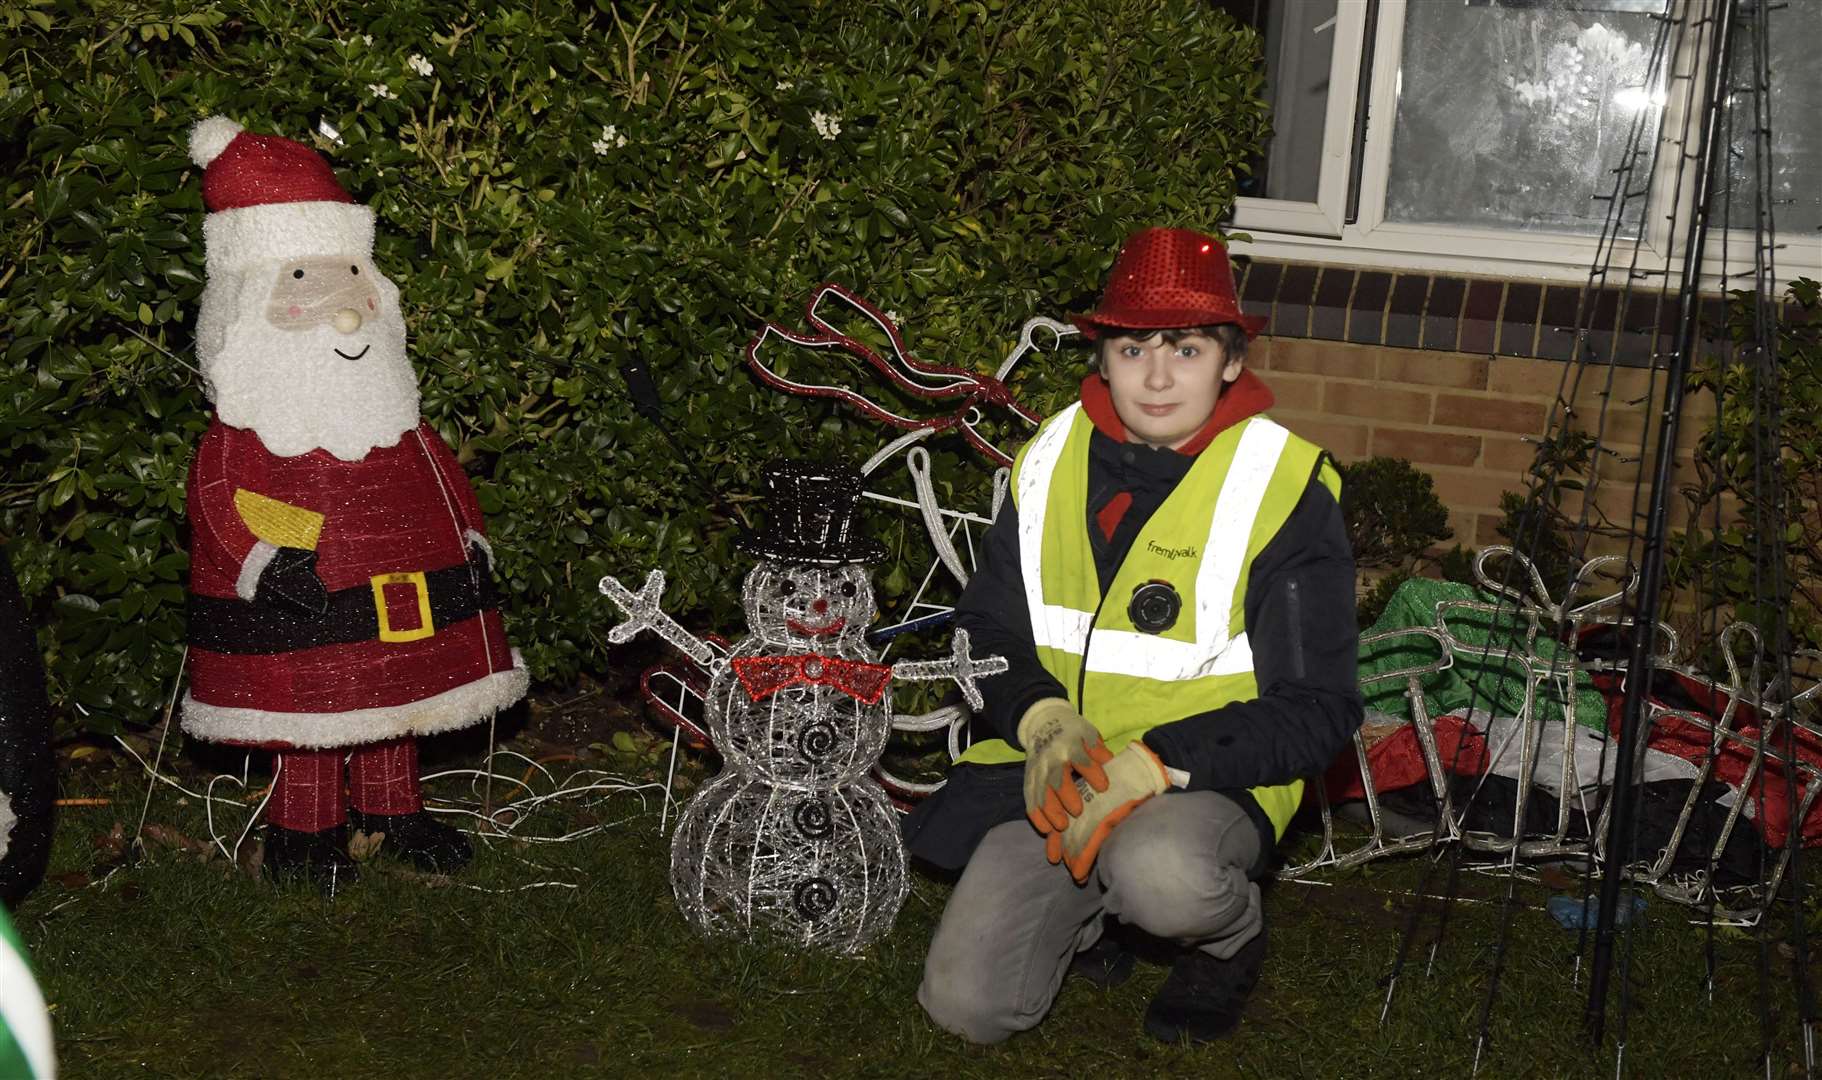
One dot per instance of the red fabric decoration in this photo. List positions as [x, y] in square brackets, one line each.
[259, 170]
[1396, 761]
[1771, 786]
[308, 795]
[400, 508]
[383, 778]
[763, 676]
[1166, 279]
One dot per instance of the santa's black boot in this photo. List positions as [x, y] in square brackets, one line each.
[317, 857]
[1203, 998]
[427, 843]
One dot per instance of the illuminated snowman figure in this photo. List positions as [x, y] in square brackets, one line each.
[794, 836]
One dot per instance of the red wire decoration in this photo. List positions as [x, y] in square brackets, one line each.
[931, 382]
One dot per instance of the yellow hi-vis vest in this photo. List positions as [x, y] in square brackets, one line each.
[1202, 541]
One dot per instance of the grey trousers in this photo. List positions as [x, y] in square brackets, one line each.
[1177, 868]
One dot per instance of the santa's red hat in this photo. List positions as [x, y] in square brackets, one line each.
[271, 198]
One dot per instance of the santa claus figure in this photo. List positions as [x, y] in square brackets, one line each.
[341, 598]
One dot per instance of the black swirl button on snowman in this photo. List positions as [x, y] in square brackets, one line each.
[794, 837]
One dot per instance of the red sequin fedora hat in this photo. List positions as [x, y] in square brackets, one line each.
[1168, 279]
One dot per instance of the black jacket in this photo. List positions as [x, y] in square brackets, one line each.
[1299, 610]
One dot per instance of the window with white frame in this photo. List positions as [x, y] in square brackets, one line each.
[1483, 136]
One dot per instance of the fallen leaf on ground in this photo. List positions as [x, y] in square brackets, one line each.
[170, 837]
[364, 845]
[1555, 877]
[252, 857]
[112, 842]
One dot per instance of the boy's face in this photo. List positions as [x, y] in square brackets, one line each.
[1164, 393]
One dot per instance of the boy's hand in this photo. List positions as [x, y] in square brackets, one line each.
[1133, 775]
[1060, 747]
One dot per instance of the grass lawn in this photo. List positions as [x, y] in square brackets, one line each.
[186, 966]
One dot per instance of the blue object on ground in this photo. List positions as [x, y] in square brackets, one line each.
[1577, 914]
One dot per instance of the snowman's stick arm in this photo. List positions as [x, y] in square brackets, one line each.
[960, 667]
[643, 613]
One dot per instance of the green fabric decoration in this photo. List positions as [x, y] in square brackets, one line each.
[1488, 680]
[25, 1026]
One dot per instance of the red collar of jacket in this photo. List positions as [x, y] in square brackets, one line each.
[1245, 396]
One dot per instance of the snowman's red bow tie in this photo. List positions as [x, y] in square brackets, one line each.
[763, 676]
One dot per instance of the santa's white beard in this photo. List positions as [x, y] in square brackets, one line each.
[292, 390]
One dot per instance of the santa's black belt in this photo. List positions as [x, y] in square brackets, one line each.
[442, 598]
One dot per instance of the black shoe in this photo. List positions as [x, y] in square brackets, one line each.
[1203, 998]
[1106, 963]
[316, 857]
[428, 843]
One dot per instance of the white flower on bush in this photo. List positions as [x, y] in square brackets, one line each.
[783, 84]
[610, 139]
[382, 91]
[826, 125]
[417, 63]
[893, 317]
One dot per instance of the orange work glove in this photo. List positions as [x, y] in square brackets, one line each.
[1060, 746]
[1133, 775]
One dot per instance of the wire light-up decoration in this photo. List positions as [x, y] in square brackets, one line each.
[794, 837]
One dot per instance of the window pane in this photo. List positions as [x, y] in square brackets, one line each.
[1795, 48]
[1298, 45]
[1514, 114]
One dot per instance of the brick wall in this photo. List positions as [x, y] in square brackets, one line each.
[1464, 418]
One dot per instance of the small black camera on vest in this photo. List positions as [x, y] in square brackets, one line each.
[1154, 607]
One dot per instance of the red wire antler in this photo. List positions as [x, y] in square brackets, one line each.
[972, 388]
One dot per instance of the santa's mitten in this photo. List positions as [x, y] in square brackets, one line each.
[480, 552]
[290, 579]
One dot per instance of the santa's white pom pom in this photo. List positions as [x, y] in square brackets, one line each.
[210, 137]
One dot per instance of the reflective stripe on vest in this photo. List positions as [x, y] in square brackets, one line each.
[1052, 625]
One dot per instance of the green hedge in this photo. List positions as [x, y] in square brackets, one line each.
[990, 157]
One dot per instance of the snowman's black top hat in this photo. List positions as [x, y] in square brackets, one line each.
[812, 516]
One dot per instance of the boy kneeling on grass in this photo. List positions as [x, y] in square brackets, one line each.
[1173, 586]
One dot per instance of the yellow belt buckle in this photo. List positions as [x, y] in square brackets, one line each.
[414, 578]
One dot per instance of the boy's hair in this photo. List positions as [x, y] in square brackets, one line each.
[1229, 336]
